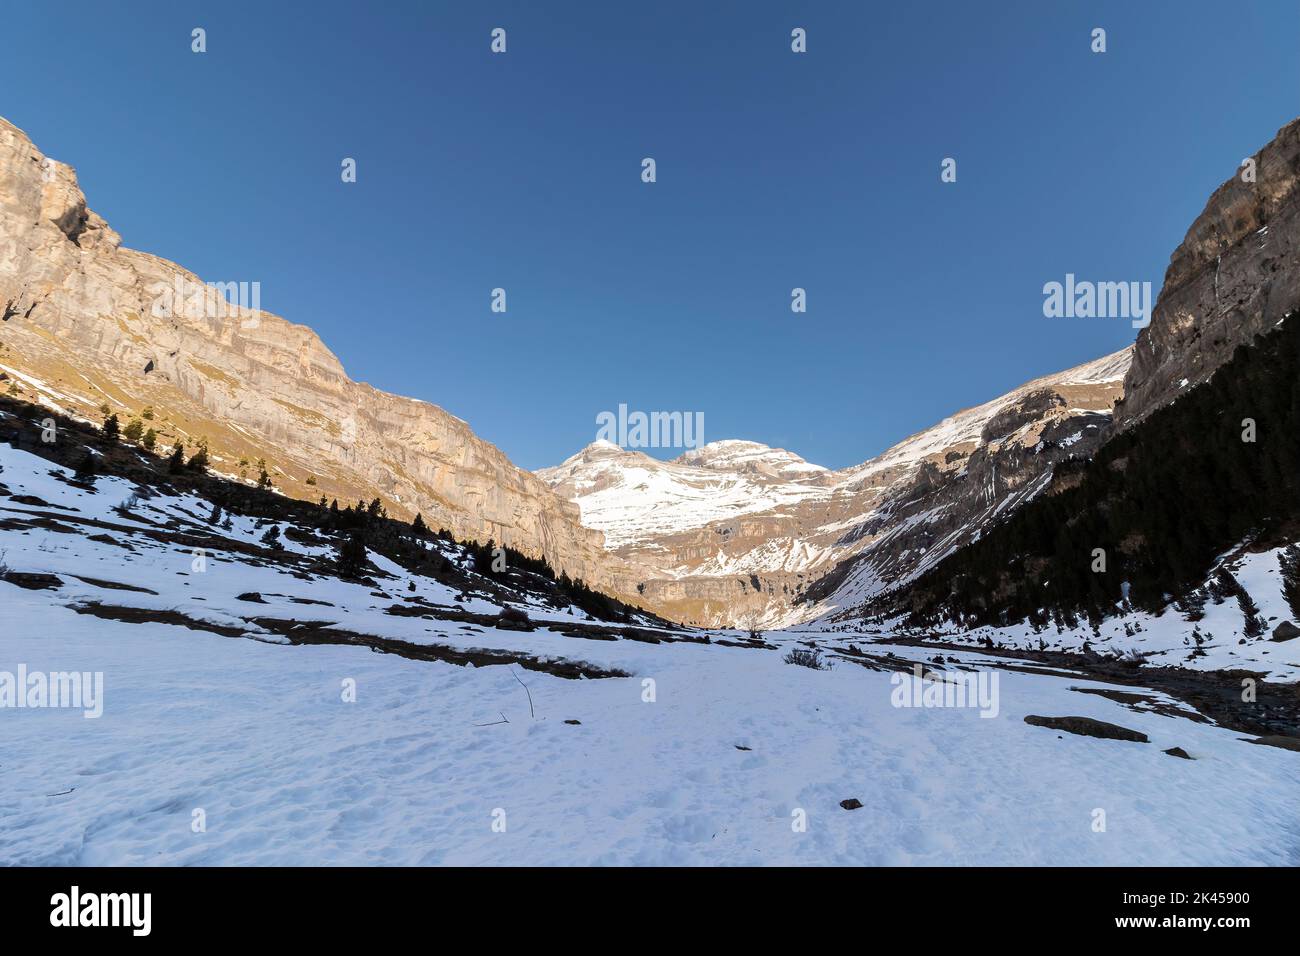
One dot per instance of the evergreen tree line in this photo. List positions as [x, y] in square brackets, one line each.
[1161, 501]
[499, 562]
[367, 526]
[356, 527]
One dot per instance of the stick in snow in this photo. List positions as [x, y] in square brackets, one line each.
[526, 691]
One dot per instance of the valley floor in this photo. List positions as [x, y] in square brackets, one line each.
[417, 770]
[435, 763]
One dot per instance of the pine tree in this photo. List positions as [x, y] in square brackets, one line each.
[111, 427]
[1255, 623]
[1289, 560]
[199, 461]
[176, 463]
[149, 440]
[134, 429]
[1192, 605]
[85, 472]
[418, 526]
[352, 555]
[1218, 588]
[483, 557]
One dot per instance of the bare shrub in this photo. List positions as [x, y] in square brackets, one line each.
[805, 657]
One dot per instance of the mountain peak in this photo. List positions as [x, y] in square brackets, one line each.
[602, 449]
[749, 457]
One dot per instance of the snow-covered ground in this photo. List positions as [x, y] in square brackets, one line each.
[419, 768]
[1217, 641]
[705, 754]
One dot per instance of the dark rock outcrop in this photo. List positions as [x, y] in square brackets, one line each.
[1286, 631]
[1087, 727]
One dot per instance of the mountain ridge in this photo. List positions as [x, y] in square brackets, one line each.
[81, 327]
[738, 539]
[732, 532]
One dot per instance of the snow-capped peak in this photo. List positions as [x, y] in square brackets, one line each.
[737, 456]
[633, 497]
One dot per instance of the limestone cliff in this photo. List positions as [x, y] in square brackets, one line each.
[1233, 276]
[87, 322]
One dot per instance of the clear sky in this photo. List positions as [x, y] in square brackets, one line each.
[775, 170]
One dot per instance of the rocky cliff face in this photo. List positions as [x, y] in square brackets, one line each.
[87, 323]
[942, 489]
[1233, 276]
[725, 534]
[736, 533]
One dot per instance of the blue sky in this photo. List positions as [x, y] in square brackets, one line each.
[775, 170]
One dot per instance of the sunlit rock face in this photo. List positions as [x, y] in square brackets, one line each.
[87, 322]
[1234, 276]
